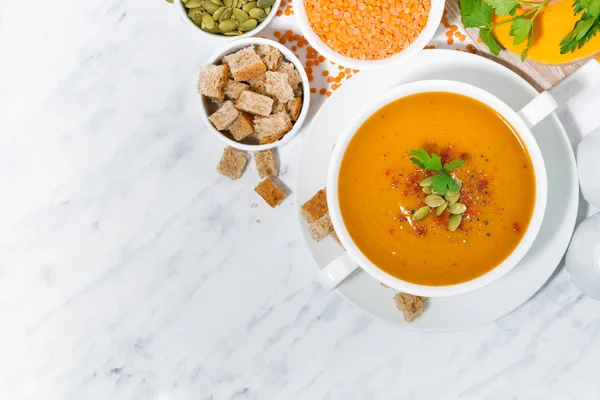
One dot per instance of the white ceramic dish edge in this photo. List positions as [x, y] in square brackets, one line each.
[289, 56]
[433, 21]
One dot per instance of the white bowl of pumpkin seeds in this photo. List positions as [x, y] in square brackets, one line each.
[228, 19]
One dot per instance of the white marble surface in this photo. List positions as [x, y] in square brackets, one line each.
[129, 269]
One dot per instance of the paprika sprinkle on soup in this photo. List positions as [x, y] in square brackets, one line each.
[368, 29]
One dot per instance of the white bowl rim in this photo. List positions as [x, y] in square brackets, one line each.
[434, 19]
[223, 38]
[241, 43]
[526, 137]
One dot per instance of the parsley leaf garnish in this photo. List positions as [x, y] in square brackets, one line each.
[442, 182]
[425, 161]
[584, 29]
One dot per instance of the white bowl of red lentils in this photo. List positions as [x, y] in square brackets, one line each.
[368, 34]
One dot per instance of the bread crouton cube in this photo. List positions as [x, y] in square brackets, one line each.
[254, 103]
[293, 108]
[245, 64]
[265, 163]
[242, 127]
[224, 116]
[277, 86]
[316, 207]
[233, 89]
[294, 78]
[270, 56]
[411, 306]
[272, 128]
[232, 163]
[270, 192]
[258, 85]
[278, 107]
[211, 81]
[321, 227]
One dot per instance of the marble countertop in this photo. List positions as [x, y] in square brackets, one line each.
[129, 269]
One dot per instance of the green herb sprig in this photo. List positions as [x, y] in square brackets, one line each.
[442, 182]
[479, 14]
[584, 29]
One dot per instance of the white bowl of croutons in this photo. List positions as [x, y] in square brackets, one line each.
[254, 94]
[217, 18]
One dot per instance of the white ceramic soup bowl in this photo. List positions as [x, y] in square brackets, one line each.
[530, 115]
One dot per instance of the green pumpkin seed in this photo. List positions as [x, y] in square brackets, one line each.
[228, 3]
[457, 208]
[249, 6]
[228, 25]
[248, 25]
[458, 182]
[196, 15]
[217, 2]
[421, 213]
[193, 3]
[217, 14]
[213, 30]
[265, 3]
[454, 222]
[268, 10]
[425, 182]
[207, 22]
[433, 200]
[427, 190]
[210, 6]
[226, 15]
[452, 197]
[440, 210]
[235, 4]
[232, 33]
[240, 15]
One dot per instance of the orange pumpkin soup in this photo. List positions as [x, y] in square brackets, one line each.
[379, 189]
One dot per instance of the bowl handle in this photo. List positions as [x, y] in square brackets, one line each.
[538, 109]
[338, 270]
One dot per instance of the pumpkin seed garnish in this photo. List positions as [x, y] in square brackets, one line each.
[440, 210]
[452, 197]
[193, 3]
[265, 3]
[421, 213]
[425, 182]
[226, 15]
[434, 200]
[217, 14]
[454, 222]
[240, 15]
[249, 6]
[257, 13]
[207, 21]
[427, 190]
[457, 208]
[209, 6]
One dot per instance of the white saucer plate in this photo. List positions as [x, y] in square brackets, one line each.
[501, 297]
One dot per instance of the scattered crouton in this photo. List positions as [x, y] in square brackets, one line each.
[270, 56]
[411, 306]
[242, 127]
[270, 192]
[211, 81]
[277, 86]
[233, 89]
[254, 103]
[224, 116]
[245, 64]
[232, 163]
[316, 207]
[272, 128]
[294, 106]
[321, 227]
[294, 78]
[265, 163]
[258, 85]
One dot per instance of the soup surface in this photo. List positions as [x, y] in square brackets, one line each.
[379, 189]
